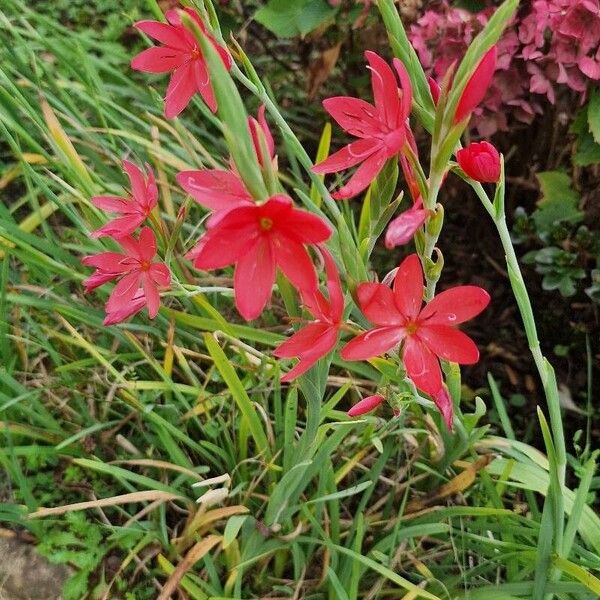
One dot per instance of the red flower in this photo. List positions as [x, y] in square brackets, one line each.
[366, 405]
[181, 54]
[135, 210]
[257, 239]
[139, 277]
[480, 161]
[427, 333]
[477, 86]
[319, 337]
[255, 126]
[381, 129]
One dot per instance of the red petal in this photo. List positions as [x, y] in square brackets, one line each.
[444, 403]
[216, 189]
[372, 343]
[357, 117]
[304, 227]
[158, 59]
[422, 366]
[377, 304]
[203, 85]
[456, 305]
[165, 34]
[385, 89]
[293, 259]
[349, 156]
[160, 274]
[152, 296]
[124, 292]
[180, 90]
[365, 405]
[109, 262]
[322, 347]
[363, 176]
[138, 302]
[408, 287]
[449, 343]
[403, 228]
[113, 204]
[220, 248]
[477, 86]
[406, 89]
[253, 280]
[120, 227]
[147, 244]
[301, 341]
[97, 279]
[136, 179]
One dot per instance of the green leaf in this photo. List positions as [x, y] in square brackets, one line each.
[239, 394]
[288, 19]
[593, 115]
[559, 201]
[588, 151]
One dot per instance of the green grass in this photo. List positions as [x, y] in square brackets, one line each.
[128, 418]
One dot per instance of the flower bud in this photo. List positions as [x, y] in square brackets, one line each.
[480, 161]
[365, 405]
[477, 86]
[435, 89]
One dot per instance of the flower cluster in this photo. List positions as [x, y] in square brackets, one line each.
[261, 236]
[554, 42]
[139, 277]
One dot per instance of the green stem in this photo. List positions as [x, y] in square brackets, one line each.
[544, 368]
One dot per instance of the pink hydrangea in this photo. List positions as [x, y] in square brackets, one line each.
[556, 42]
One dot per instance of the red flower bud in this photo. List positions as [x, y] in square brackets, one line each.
[477, 86]
[435, 89]
[365, 405]
[480, 161]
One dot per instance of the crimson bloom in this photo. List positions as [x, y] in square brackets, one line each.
[428, 333]
[258, 239]
[135, 210]
[181, 55]
[480, 161]
[380, 129]
[319, 337]
[365, 405]
[139, 277]
[477, 86]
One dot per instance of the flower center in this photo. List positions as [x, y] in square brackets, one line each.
[411, 328]
[265, 223]
[145, 265]
[196, 54]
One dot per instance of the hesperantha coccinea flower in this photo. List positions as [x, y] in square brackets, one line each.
[427, 334]
[380, 128]
[258, 239]
[181, 55]
[319, 337]
[140, 277]
[134, 209]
